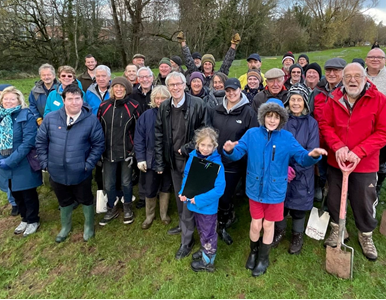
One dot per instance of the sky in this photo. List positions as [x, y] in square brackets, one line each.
[378, 12]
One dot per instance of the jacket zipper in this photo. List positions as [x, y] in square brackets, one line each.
[273, 152]
[124, 140]
[64, 157]
[112, 129]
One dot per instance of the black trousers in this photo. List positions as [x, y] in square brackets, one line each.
[80, 192]
[28, 204]
[231, 180]
[362, 196]
[155, 182]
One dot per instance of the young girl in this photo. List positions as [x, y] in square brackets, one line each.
[205, 205]
[269, 150]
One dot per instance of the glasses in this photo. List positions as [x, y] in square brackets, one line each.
[296, 72]
[64, 76]
[335, 71]
[145, 77]
[356, 77]
[375, 57]
[175, 84]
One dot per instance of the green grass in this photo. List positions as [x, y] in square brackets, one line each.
[124, 261]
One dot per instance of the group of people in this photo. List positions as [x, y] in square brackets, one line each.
[265, 131]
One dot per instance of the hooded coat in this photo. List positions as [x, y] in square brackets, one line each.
[38, 97]
[269, 154]
[300, 191]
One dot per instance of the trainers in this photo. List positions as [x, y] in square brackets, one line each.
[21, 228]
[15, 211]
[31, 228]
[332, 239]
[367, 245]
[111, 214]
[128, 215]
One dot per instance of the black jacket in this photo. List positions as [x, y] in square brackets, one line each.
[232, 126]
[141, 98]
[118, 118]
[263, 97]
[214, 98]
[195, 117]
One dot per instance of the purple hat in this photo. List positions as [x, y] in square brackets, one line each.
[196, 75]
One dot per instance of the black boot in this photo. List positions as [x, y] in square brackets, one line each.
[262, 259]
[278, 237]
[197, 255]
[205, 264]
[140, 204]
[232, 219]
[223, 216]
[296, 243]
[251, 261]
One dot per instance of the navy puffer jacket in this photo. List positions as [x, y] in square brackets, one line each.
[70, 153]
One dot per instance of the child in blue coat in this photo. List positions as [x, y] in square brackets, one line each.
[205, 205]
[269, 149]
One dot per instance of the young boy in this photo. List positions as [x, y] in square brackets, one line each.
[269, 150]
[205, 205]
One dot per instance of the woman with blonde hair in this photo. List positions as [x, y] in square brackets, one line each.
[18, 130]
[144, 139]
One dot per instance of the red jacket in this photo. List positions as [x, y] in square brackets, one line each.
[363, 131]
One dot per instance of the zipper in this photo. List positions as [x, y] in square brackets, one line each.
[112, 129]
[273, 152]
[124, 140]
[64, 157]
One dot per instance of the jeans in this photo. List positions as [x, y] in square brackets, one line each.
[11, 199]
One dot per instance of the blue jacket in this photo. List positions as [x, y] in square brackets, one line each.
[94, 99]
[207, 203]
[300, 192]
[70, 153]
[55, 100]
[269, 154]
[38, 98]
[144, 138]
[24, 133]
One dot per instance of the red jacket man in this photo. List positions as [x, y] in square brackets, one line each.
[354, 128]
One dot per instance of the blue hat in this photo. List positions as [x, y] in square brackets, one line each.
[273, 105]
[254, 56]
[4, 86]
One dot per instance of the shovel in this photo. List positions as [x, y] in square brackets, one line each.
[340, 261]
[318, 220]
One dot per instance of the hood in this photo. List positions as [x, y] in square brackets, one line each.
[38, 88]
[243, 101]
[274, 105]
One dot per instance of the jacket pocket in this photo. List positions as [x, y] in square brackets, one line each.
[254, 183]
[278, 187]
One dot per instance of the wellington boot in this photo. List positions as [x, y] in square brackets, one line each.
[204, 264]
[151, 204]
[163, 207]
[65, 219]
[262, 259]
[251, 261]
[89, 231]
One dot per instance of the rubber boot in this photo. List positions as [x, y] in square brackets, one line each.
[223, 216]
[280, 229]
[232, 218]
[163, 207]
[262, 259]
[197, 255]
[205, 264]
[89, 231]
[65, 219]
[251, 261]
[151, 203]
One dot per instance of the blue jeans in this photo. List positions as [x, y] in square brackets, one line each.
[11, 199]
[109, 181]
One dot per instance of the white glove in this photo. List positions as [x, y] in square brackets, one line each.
[142, 166]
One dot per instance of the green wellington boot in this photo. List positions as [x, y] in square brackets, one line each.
[89, 232]
[65, 219]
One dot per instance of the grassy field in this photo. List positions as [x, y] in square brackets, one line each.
[124, 261]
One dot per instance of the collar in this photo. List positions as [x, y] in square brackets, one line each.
[74, 118]
[179, 104]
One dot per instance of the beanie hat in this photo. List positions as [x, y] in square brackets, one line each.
[288, 55]
[209, 58]
[273, 105]
[196, 75]
[177, 60]
[165, 60]
[359, 61]
[123, 81]
[304, 56]
[196, 55]
[294, 66]
[316, 67]
[254, 73]
[297, 89]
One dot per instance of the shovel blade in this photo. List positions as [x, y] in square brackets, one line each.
[382, 227]
[338, 262]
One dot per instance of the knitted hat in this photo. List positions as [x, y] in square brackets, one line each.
[177, 60]
[196, 75]
[297, 89]
[165, 60]
[196, 55]
[123, 81]
[359, 61]
[254, 73]
[274, 73]
[304, 56]
[316, 67]
[209, 58]
[288, 55]
[273, 105]
[294, 66]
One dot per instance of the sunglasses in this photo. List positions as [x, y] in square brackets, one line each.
[64, 76]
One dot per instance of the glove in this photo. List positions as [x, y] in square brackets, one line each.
[236, 39]
[142, 166]
[3, 165]
[291, 174]
[39, 121]
[130, 161]
[181, 37]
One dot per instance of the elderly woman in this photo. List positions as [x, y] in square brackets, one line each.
[18, 130]
[118, 117]
[300, 192]
[144, 140]
[232, 118]
[66, 76]
[253, 84]
[217, 92]
[197, 87]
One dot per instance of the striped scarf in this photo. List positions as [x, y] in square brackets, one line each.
[6, 130]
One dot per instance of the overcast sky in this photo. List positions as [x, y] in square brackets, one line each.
[379, 12]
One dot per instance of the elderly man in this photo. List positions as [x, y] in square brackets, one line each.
[139, 60]
[303, 61]
[287, 61]
[38, 97]
[254, 63]
[178, 118]
[313, 75]
[354, 128]
[274, 88]
[98, 91]
[164, 67]
[69, 143]
[88, 77]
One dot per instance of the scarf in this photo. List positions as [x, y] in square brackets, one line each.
[6, 130]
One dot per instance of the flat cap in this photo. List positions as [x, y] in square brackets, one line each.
[274, 73]
[335, 63]
[138, 55]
